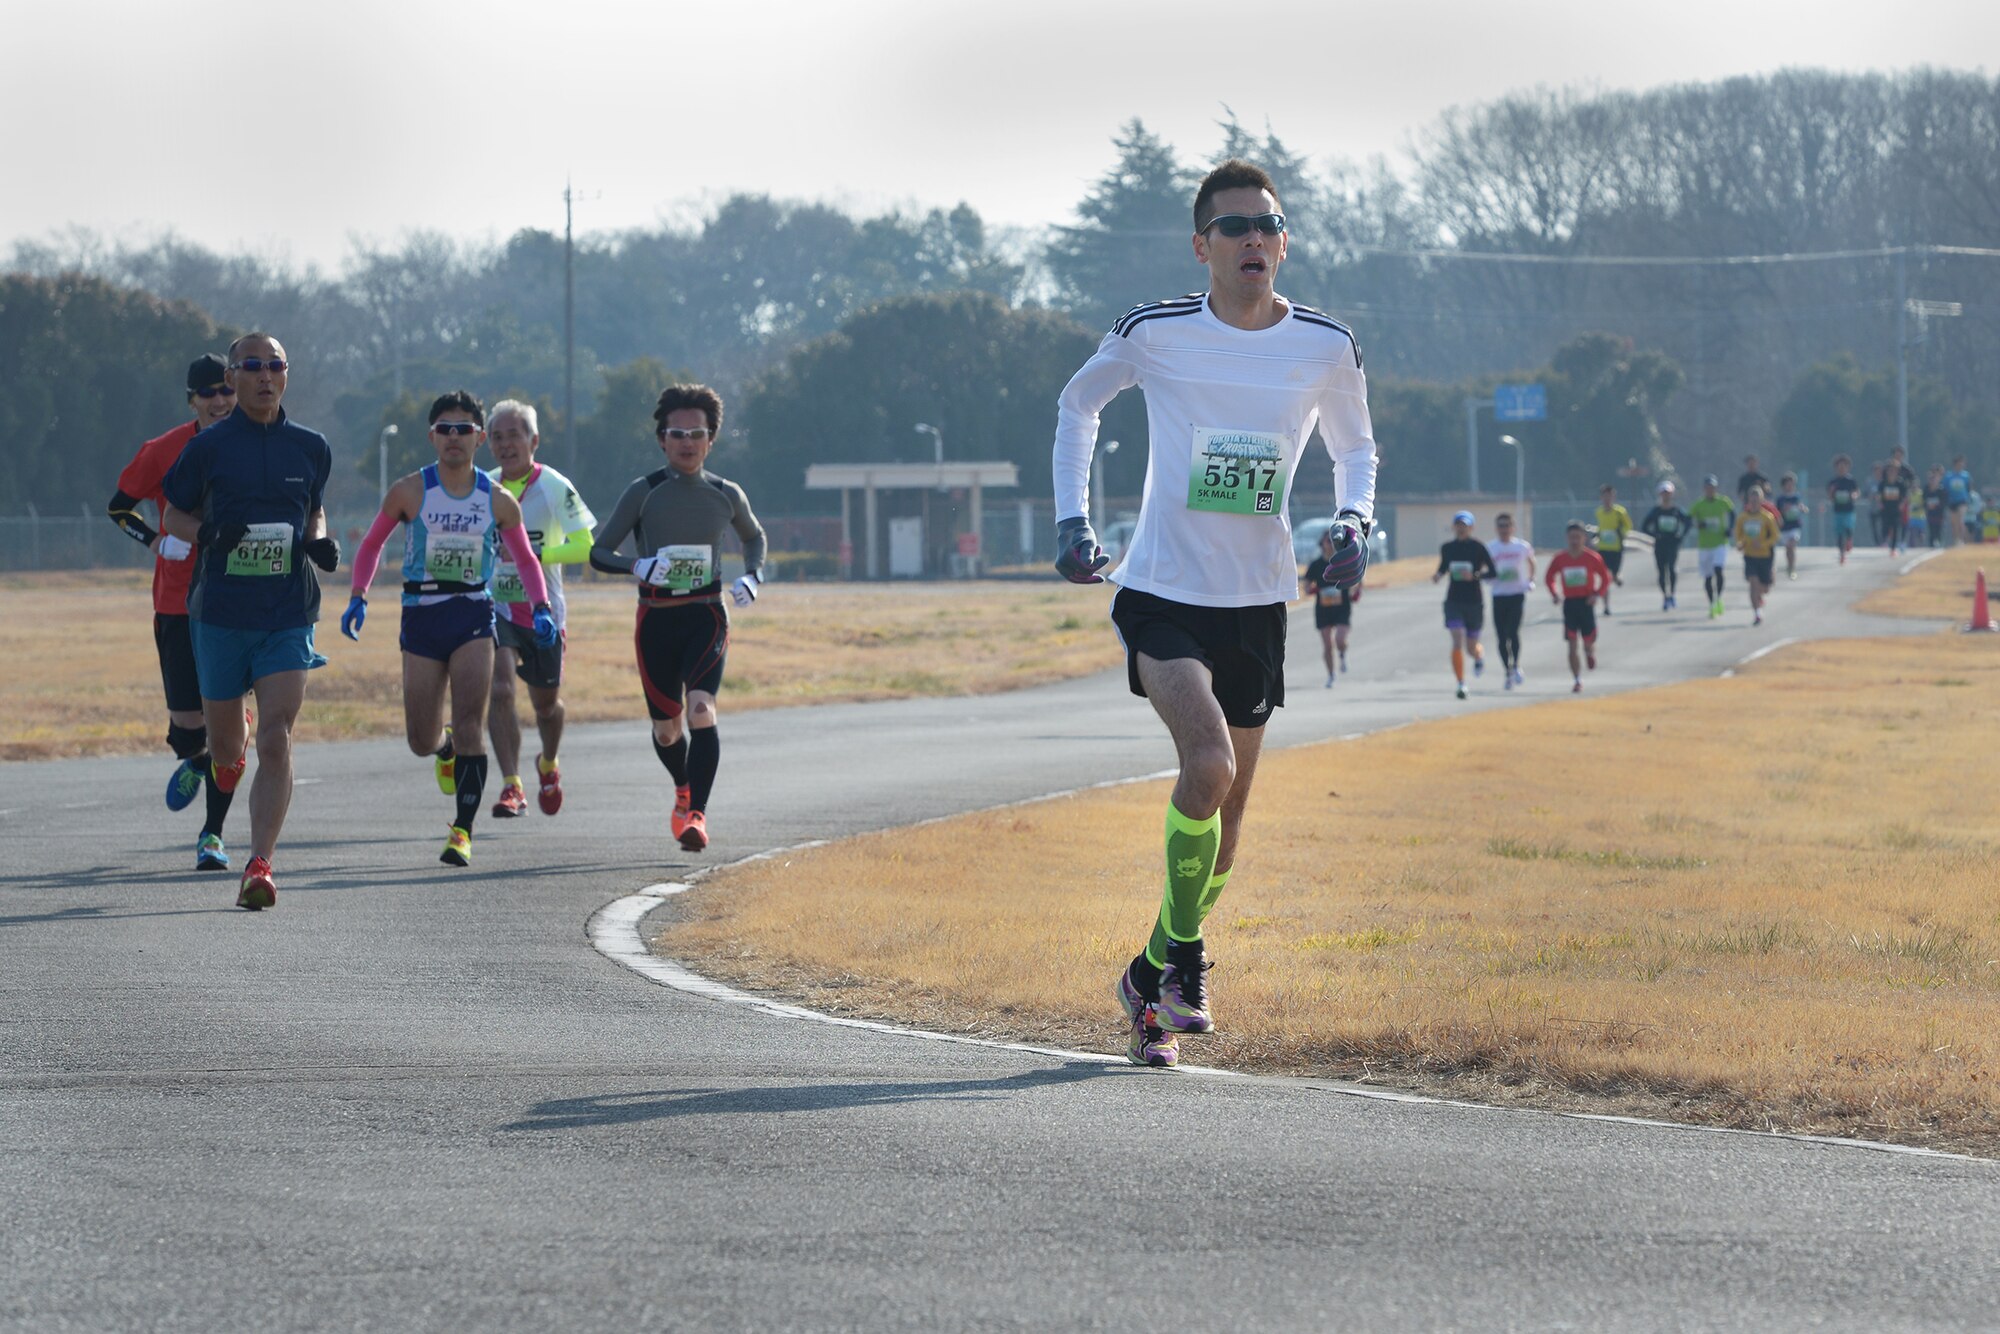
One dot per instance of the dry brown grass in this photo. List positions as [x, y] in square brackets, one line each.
[82, 678]
[1941, 587]
[1762, 902]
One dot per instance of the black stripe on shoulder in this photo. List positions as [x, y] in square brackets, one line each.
[1326, 321]
[1166, 313]
[1180, 305]
[654, 478]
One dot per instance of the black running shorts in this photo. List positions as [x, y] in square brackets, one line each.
[1242, 647]
[1758, 568]
[536, 666]
[176, 649]
[1469, 616]
[1579, 618]
[681, 647]
[1613, 559]
[1333, 613]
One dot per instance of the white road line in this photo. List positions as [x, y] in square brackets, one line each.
[614, 933]
[1928, 555]
[1751, 657]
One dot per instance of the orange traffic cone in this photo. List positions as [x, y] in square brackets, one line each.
[1982, 618]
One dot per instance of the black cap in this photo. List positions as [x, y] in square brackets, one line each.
[205, 370]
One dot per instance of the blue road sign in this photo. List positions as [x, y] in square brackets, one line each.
[1520, 403]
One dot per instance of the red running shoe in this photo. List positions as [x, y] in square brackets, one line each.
[550, 796]
[258, 890]
[512, 802]
[694, 835]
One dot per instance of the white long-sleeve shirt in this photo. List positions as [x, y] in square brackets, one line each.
[1228, 414]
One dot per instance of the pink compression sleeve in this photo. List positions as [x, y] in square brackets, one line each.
[369, 558]
[523, 553]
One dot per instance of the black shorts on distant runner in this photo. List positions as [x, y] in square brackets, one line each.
[1579, 618]
[1758, 568]
[1242, 647]
[1467, 616]
[1333, 613]
[176, 649]
[536, 666]
[1613, 559]
[681, 647]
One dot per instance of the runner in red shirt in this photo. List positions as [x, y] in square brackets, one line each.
[1577, 577]
[173, 567]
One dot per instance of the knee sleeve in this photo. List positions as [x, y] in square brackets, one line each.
[187, 742]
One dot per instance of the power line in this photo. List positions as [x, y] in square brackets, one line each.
[1668, 261]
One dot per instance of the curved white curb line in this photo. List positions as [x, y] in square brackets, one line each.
[614, 933]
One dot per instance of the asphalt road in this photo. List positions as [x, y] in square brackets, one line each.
[411, 1097]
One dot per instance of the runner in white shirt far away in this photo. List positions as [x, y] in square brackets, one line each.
[1235, 380]
[1514, 558]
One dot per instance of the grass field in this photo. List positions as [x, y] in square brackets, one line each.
[1762, 902]
[83, 679]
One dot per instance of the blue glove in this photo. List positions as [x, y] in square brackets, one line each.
[1350, 552]
[545, 626]
[1078, 557]
[351, 619]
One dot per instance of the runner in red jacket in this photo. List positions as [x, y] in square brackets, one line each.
[1577, 577]
[210, 399]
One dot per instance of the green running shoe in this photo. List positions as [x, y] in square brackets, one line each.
[445, 765]
[210, 855]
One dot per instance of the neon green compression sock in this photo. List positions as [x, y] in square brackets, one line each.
[1156, 948]
[1191, 849]
[1212, 893]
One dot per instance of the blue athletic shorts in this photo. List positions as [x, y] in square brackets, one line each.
[229, 661]
[1843, 524]
[440, 629]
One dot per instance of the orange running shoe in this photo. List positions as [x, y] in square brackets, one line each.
[694, 836]
[682, 809]
[258, 890]
[512, 802]
[550, 797]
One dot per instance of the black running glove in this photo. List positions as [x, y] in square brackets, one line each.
[323, 552]
[1078, 557]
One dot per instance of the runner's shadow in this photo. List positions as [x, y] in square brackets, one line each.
[101, 915]
[617, 1109]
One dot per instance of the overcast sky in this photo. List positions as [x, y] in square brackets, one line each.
[289, 128]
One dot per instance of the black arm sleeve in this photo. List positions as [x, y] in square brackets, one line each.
[124, 511]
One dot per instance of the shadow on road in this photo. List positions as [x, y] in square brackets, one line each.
[614, 1109]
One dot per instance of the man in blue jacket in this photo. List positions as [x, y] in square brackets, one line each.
[248, 491]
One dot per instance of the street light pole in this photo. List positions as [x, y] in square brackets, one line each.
[937, 438]
[1520, 476]
[1472, 407]
[1097, 491]
[382, 455]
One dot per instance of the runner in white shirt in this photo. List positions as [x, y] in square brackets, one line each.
[1235, 380]
[559, 525]
[1514, 558]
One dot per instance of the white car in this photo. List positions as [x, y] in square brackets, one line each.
[1306, 534]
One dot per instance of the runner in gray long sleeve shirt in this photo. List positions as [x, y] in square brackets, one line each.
[676, 517]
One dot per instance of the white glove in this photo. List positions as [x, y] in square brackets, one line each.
[173, 548]
[744, 591]
[650, 570]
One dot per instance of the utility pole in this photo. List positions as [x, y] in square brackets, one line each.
[1902, 351]
[569, 326]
